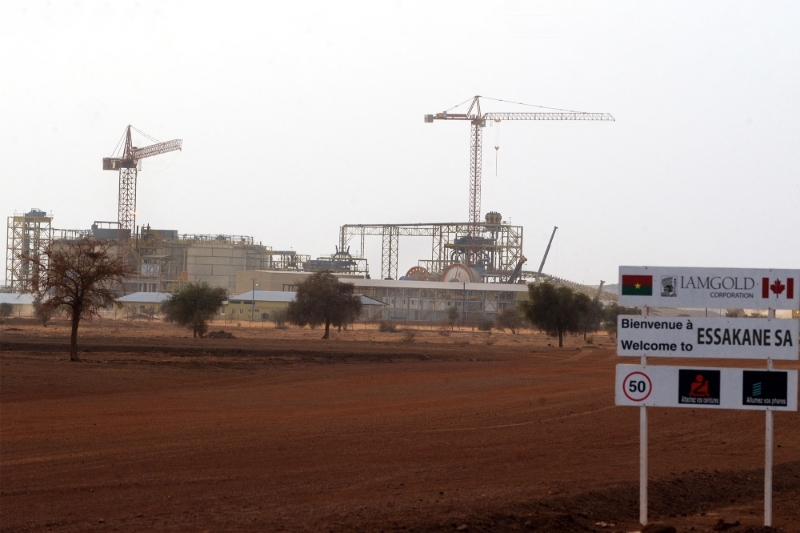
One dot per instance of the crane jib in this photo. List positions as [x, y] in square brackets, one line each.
[521, 116]
[116, 163]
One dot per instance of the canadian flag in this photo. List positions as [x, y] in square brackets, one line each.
[777, 287]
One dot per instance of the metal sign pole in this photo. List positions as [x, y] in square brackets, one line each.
[768, 472]
[643, 452]
[768, 454]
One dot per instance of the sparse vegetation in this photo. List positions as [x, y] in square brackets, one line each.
[593, 317]
[409, 335]
[387, 326]
[81, 277]
[510, 318]
[452, 316]
[194, 306]
[279, 317]
[6, 309]
[556, 310]
[610, 314]
[323, 299]
[485, 324]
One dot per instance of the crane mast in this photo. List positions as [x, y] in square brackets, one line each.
[128, 174]
[477, 122]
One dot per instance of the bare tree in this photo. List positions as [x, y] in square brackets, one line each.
[81, 277]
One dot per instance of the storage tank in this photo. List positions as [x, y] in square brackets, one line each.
[493, 218]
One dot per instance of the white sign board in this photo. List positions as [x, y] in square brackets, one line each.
[714, 388]
[725, 288]
[728, 338]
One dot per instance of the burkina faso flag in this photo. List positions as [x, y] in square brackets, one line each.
[637, 285]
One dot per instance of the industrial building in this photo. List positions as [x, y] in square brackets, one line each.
[141, 303]
[163, 260]
[257, 305]
[21, 304]
[412, 300]
[476, 266]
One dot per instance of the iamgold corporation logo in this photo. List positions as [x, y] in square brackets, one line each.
[669, 286]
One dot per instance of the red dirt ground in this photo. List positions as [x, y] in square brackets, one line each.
[280, 431]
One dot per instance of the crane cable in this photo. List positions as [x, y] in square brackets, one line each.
[512, 102]
[532, 105]
[121, 142]
[146, 135]
[118, 149]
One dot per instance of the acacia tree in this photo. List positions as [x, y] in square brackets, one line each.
[81, 277]
[510, 318]
[41, 312]
[194, 305]
[612, 311]
[593, 317]
[555, 310]
[279, 318]
[452, 316]
[323, 299]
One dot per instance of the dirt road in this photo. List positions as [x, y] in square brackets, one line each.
[276, 431]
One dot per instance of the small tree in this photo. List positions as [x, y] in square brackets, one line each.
[593, 318]
[81, 277]
[612, 311]
[510, 318]
[43, 313]
[279, 318]
[452, 316]
[323, 299]
[6, 309]
[555, 310]
[485, 324]
[194, 306]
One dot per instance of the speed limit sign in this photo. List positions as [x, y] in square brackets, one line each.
[637, 386]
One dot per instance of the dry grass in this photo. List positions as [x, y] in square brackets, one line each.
[433, 334]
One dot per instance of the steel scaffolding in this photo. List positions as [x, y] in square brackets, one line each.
[494, 250]
[27, 235]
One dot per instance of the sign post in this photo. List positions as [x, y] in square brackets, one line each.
[643, 440]
[721, 388]
[768, 445]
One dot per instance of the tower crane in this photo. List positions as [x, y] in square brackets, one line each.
[477, 121]
[128, 166]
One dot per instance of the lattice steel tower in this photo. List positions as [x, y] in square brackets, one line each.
[477, 122]
[26, 235]
[128, 165]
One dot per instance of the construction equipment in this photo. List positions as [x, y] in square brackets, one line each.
[478, 122]
[128, 165]
[515, 274]
[547, 251]
[600, 288]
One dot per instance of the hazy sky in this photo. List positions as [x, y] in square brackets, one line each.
[298, 117]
